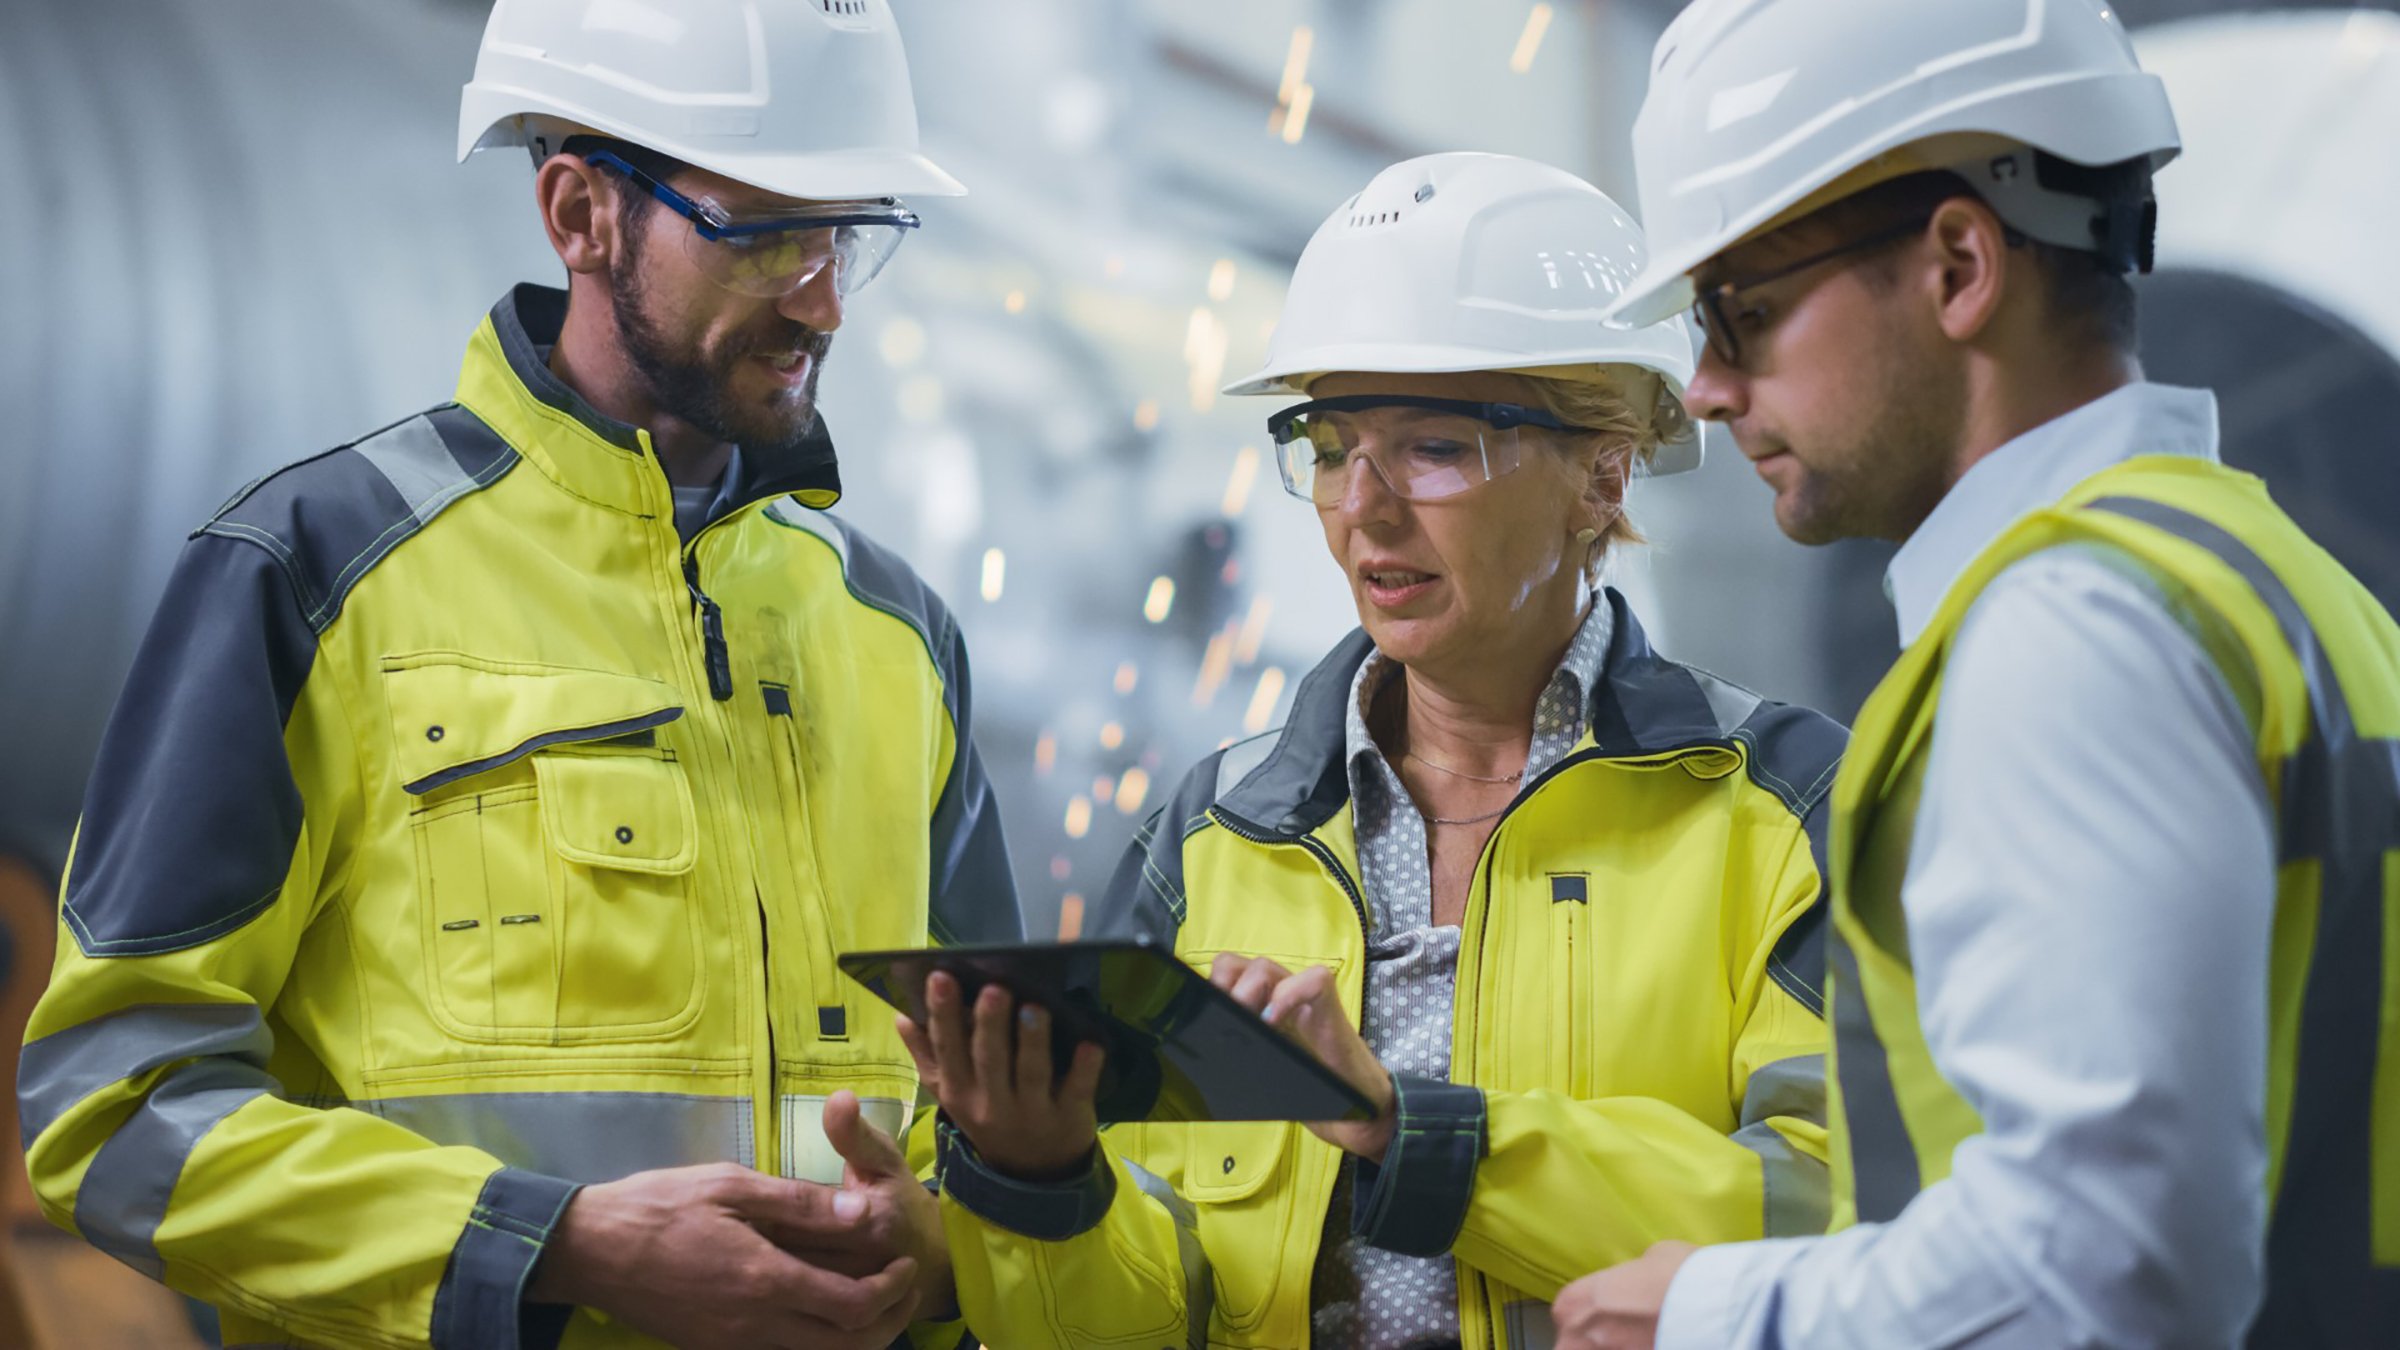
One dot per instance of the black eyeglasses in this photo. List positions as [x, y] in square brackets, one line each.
[1715, 309]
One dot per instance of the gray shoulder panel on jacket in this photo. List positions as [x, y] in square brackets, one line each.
[880, 579]
[328, 520]
[1794, 753]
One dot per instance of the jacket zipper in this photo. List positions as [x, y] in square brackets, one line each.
[717, 664]
[1565, 923]
[1492, 1337]
[826, 993]
[712, 631]
[766, 982]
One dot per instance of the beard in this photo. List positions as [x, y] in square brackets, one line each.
[1882, 476]
[697, 386]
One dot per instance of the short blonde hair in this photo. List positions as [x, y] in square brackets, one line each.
[1630, 411]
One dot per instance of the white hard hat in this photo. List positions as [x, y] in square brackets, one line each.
[802, 98]
[1757, 107]
[1459, 262]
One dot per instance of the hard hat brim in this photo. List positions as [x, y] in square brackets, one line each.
[831, 175]
[837, 176]
[1672, 457]
[1661, 292]
[1420, 359]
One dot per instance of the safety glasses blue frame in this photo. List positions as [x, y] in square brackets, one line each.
[711, 223]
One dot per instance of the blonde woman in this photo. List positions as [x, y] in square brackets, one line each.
[1568, 887]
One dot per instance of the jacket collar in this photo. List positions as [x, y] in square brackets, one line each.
[506, 380]
[1641, 704]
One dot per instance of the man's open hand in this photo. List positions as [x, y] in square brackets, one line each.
[683, 1255]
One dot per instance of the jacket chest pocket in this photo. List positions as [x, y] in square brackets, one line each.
[1241, 1180]
[555, 851]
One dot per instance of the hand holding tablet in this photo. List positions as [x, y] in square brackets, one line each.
[989, 1061]
[1172, 1046]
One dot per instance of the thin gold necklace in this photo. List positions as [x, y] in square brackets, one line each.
[1460, 773]
[1474, 778]
[1470, 777]
[1467, 820]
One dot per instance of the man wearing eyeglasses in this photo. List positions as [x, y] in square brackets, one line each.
[448, 949]
[2112, 855]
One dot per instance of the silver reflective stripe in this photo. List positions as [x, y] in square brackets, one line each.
[1242, 757]
[808, 1155]
[1528, 1325]
[63, 1068]
[2340, 806]
[1729, 703]
[1199, 1290]
[1798, 1192]
[125, 1192]
[785, 511]
[419, 465]
[1883, 1159]
[582, 1136]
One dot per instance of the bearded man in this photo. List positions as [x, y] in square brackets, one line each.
[447, 955]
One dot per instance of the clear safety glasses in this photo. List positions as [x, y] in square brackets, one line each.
[775, 254]
[1423, 449]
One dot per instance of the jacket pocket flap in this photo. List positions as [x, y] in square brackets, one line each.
[1234, 1160]
[455, 716]
[630, 812]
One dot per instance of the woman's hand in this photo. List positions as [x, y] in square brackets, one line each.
[990, 1068]
[1308, 1008]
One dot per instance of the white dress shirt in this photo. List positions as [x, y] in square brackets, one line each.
[2090, 892]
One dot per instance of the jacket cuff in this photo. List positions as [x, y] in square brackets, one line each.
[1049, 1211]
[1415, 1200]
[480, 1304]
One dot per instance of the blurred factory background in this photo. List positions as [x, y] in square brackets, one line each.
[232, 234]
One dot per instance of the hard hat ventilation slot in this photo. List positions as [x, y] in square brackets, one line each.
[843, 9]
[1364, 221]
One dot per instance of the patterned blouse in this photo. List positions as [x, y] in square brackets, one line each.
[1365, 1296]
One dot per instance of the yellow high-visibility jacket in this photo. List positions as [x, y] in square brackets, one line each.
[462, 836]
[1637, 1054]
[2315, 663]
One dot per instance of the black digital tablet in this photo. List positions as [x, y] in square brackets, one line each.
[1178, 1047]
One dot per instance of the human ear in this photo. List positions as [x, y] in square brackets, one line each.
[577, 213]
[1972, 265]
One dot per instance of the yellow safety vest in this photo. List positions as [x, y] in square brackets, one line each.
[2280, 617]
